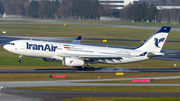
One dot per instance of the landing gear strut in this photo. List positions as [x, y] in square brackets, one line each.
[87, 68]
[20, 59]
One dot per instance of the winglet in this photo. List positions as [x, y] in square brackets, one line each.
[77, 41]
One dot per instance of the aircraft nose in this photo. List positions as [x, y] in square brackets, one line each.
[5, 47]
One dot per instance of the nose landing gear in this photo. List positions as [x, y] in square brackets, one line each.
[20, 59]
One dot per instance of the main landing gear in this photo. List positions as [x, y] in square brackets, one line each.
[79, 68]
[87, 68]
[20, 59]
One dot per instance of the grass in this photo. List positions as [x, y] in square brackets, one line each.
[73, 31]
[105, 89]
[124, 99]
[110, 22]
[84, 31]
[77, 76]
[126, 23]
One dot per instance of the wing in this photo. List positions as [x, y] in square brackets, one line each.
[93, 56]
[90, 57]
[98, 58]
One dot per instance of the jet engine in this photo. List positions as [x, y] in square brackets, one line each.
[69, 61]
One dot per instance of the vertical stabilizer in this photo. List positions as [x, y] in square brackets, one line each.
[77, 41]
[156, 41]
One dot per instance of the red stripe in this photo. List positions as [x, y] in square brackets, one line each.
[67, 47]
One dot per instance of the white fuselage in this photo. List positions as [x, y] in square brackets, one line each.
[54, 50]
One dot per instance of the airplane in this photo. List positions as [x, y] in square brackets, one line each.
[76, 55]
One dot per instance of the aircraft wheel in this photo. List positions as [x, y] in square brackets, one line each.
[86, 68]
[91, 68]
[79, 68]
[20, 61]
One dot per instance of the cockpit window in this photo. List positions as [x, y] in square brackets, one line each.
[11, 43]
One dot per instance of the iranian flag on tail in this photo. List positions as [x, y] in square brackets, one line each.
[67, 46]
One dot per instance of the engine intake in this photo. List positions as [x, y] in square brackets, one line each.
[69, 61]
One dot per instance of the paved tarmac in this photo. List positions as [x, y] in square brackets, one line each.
[96, 70]
[34, 95]
[74, 82]
[31, 95]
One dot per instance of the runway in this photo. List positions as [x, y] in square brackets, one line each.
[96, 70]
[75, 82]
[21, 95]
[31, 95]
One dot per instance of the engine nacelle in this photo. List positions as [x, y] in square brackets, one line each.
[68, 61]
[50, 60]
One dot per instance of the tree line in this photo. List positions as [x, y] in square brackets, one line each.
[79, 9]
[86, 9]
[139, 12]
[91, 9]
[14, 7]
[167, 15]
[74, 9]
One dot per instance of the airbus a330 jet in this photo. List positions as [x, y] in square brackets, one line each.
[77, 55]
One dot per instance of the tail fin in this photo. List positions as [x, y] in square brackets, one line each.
[156, 41]
[77, 41]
